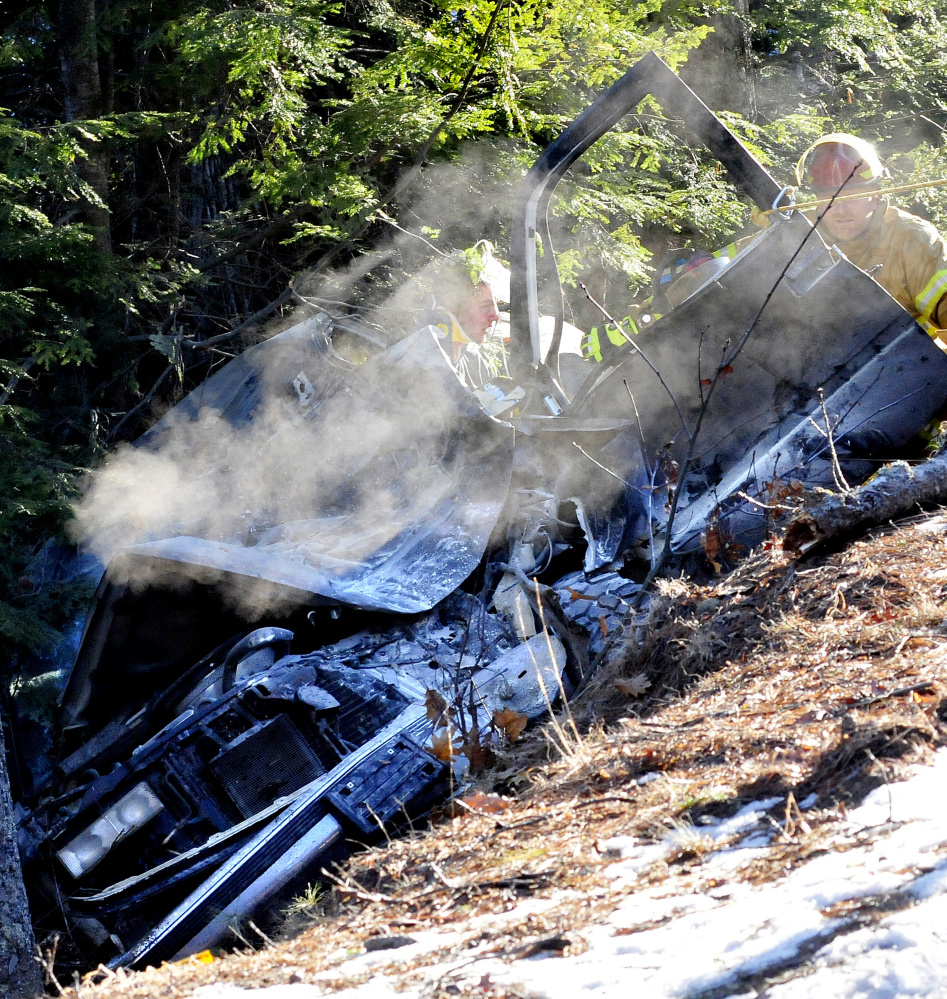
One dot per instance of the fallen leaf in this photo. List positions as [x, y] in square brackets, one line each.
[442, 746]
[511, 723]
[437, 707]
[480, 801]
[204, 957]
[633, 686]
[478, 755]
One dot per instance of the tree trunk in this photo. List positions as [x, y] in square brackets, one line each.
[20, 976]
[896, 491]
[720, 70]
[82, 93]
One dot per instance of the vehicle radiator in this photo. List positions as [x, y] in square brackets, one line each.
[270, 761]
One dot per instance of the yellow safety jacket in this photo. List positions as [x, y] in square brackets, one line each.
[908, 258]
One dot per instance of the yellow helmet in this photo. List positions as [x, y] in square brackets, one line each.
[838, 160]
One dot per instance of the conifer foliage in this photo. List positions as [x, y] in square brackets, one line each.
[167, 168]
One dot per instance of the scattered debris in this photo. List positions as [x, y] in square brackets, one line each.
[768, 757]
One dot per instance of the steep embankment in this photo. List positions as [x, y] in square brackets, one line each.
[778, 699]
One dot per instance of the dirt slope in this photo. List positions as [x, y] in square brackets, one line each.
[823, 677]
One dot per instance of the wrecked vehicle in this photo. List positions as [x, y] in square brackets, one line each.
[378, 569]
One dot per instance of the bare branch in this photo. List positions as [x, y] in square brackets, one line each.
[702, 412]
[601, 308]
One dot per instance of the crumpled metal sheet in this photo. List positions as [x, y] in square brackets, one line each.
[396, 483]
[392, 479]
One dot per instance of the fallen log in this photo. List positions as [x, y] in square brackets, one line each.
[897, 490]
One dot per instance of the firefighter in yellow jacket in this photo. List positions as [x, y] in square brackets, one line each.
[904, 254]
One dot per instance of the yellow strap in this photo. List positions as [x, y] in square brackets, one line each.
[456, 331]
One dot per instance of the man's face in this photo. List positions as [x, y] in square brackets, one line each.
[848, 219]
[479, 313]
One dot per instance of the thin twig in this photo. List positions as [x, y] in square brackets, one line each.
[352, 889]
[15, 380]
[777, 507]
[840, 481]
[651, 472]
[257, 317]
[727, 362]
[256, 929]
[621, 798]
[614, 475]
[601, 308]
[149, 395]
[897, 692]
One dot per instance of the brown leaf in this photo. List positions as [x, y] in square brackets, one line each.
[480, 801]
[436, 707]
[442, 746]
[633, 686]
[713, 539]
[724, 370]
[479, 755]
[510, 723]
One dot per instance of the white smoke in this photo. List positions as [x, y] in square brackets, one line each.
[370, 448]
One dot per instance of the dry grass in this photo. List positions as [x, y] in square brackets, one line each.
[824, 677]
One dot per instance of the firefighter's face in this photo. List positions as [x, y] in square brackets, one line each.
[479, 313]
[849, 219]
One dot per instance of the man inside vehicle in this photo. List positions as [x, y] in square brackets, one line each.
[466, 289]
[465, 304]
[462, 318]
[905, 254]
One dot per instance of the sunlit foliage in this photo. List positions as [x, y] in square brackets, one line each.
[245, 142]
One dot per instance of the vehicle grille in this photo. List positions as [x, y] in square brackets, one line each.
[269, 762]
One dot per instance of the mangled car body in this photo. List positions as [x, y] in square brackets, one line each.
[254, 684]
